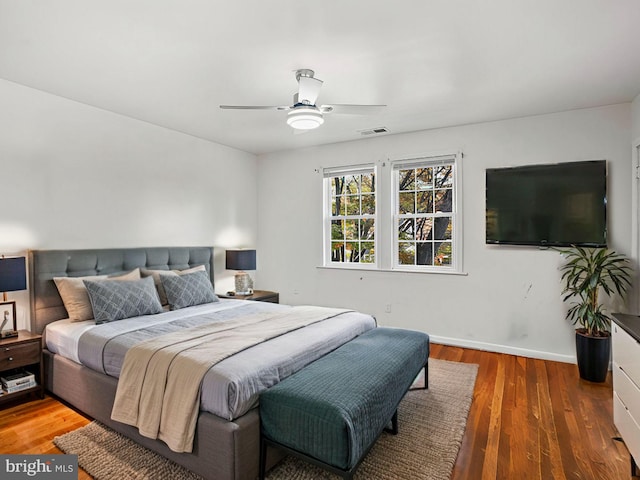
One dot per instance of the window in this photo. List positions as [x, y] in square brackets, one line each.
[399, 214]
[424, 213]
[350, 226]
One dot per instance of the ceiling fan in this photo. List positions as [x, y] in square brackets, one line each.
[304, 114]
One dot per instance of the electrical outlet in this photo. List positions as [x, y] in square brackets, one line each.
[387, 308]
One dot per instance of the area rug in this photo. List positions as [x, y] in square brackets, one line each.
[431, 423]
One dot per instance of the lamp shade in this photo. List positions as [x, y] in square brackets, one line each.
[13, 274]
[241, 260]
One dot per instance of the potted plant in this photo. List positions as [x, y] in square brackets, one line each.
[586, 272]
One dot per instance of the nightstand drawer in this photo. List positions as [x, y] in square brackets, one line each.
[14, 356]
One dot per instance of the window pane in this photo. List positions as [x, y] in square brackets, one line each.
[406, 229]
[368, 183]
[367, 253]
[352, 252]
[337, 186]
[406, 253]
[424, 178]
[444, 177]
[353, 205]
[425, 202]
[367, 229]
[337, 230]
[443, 254]
[442, 230]
[424, 253]
[407, 179]
[368, 204]
[338, 206]
[337, 251]
[424, 228]
[407, 202]
[351, 184]
[351, 229]
[444, 200]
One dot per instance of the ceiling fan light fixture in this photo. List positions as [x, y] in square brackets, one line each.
[305, 118]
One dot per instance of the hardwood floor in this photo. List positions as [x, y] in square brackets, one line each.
[535, 419]
[29, 427]
[530, 419]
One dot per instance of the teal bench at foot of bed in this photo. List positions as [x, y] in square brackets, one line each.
[332, 411]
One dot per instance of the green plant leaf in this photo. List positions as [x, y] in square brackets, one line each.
[587, 271]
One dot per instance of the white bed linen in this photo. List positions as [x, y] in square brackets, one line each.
[62, 336]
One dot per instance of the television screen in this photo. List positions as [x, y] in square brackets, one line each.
[548, 205]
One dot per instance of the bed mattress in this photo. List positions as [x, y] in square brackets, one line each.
[232, 386]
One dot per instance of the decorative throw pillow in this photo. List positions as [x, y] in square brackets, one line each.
[124, 299]
[74, 293]
[188, 289]
[156, 274]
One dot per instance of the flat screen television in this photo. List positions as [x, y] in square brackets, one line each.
[559, 204]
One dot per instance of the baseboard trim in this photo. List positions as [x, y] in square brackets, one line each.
[493, 347]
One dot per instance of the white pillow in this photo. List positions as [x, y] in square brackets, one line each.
[158, 281]
[75, 297]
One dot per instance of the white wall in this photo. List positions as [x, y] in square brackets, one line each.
[635, 119]
[635, 201]
[510, 298]
[74, 176]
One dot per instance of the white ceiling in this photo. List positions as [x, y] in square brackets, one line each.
[434, 63]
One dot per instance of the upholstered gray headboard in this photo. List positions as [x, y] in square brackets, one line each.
[44, 265]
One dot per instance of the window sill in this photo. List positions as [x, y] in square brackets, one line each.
[393, 270]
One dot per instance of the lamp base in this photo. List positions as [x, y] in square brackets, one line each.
[9, 334]
[244, 284]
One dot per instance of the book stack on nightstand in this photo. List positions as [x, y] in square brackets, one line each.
[18, 381]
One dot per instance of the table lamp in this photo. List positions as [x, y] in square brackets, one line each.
[13, 277]
[242, 260]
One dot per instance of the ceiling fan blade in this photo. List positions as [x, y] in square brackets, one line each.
[351, 109]
[308, 90]
[254, 107]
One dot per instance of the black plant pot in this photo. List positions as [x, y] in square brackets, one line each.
[593, 356]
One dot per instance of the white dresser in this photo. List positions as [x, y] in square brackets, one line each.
[626, 381]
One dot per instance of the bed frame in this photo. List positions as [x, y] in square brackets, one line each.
[223, 450]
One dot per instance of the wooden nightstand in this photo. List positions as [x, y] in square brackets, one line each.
[22, 352]
[257, 296]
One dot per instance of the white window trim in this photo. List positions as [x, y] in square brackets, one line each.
[348, 170]
[456, 239]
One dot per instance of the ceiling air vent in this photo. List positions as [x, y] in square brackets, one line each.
[373, 131]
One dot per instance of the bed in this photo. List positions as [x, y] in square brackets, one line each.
[226, 441]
